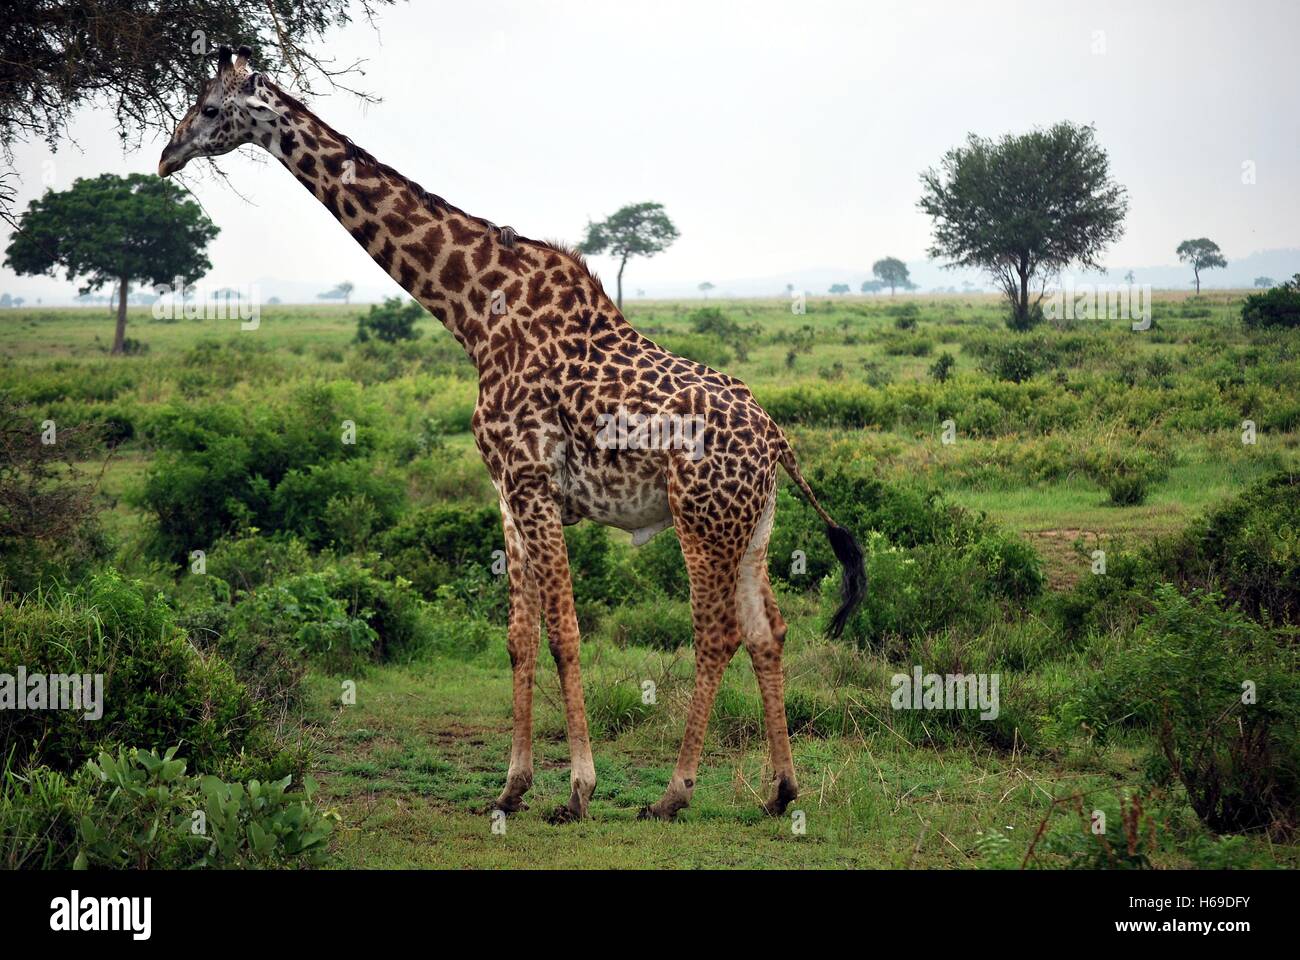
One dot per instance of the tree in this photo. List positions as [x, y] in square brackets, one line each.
[891, 272]
[872, 286]
[342, 291]
[1130, 278]
[391, 322]
[143, 60]
[1202, 254]
[1263, 282]
[1024, 207]
[114, 230]
[839, 288]
[705, 287]
[638, 230]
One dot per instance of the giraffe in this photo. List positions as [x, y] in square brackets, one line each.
[557, 364]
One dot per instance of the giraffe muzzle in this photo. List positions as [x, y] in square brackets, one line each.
[170, 162]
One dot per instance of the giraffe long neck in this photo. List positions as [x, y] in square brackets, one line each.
[462, 269]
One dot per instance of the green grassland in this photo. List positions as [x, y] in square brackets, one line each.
[1043, 423]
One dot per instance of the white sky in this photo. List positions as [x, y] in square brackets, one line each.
[779, 136]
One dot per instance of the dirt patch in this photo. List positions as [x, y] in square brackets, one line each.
[1062, 563]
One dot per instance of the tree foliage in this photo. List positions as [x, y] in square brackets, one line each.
[146, 60]
[391, 322]
[891, 272]
[1024, 207]
[1201, 254]
[637, 230]
[114, 230]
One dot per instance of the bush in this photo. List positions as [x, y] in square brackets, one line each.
[659, 623]
[941, 369]
[1276, 307]
[659, 564]
[325, 502]
[390, 322]
[159, 690]
[136, 809]
[438, 545]
[708, 350]
[1011, 569]
[1014, 363]
[613, 708]
[1248, 548]
[1223, 697]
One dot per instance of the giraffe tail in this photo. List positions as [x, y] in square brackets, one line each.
[853, 582]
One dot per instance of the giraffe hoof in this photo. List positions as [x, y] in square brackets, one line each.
[785, 794]
[651, 812]
[507, 805]
[564, 814]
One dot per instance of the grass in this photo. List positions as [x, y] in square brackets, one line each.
[413, 764]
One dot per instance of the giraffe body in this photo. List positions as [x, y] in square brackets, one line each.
[578, 416]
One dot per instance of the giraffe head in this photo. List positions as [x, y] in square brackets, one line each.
[228, 112]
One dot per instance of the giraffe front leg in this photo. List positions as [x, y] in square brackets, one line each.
[522, 641]
[537, 518]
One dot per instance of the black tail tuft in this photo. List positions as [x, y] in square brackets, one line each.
[854, 582]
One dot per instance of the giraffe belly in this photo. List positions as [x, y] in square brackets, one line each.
[639, 506]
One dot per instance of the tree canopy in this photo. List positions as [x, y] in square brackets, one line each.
[891, 272]
[1025, 207]
[1202, 254]
[637, 230]
[146, 60]
[114, 230]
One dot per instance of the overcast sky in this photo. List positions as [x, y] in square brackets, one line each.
[779, 136]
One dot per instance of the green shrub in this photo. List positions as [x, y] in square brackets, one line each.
[659, 564]
[1222, 695]
[708, 350]
[322, 503]
[1248, 548]
[1276, 307]
[437, 545]
[390, 321]
[1011, 569]
[303, 615]
[661, 623]
[137, 809]
[158, 689]
[248, 560]
[1014, 362]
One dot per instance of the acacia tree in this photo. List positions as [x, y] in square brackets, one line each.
[114, 230]
[638, 230]
[892, 272]
[1202, 254]
[342, 291]
[1024, 208]
[145, 60]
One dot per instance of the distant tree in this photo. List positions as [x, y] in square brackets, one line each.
[638, 230]
[892, 272]
[1202, 254]
[840, 288]
[1024, 207]
[390, 322]
[341, 292]
[6, 300]
[872, 286]
[114, 230]
[705, 287]
[1264, 282]
[640, 292]
[1130, 278]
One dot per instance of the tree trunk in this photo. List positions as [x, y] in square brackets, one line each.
[119, 337]
[620, 284]
[1197, 273]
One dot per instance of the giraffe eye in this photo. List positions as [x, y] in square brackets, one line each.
[210, 111]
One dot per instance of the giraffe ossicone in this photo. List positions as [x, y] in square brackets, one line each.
[556, 360]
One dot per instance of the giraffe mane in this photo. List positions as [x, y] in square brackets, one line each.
[507, 235]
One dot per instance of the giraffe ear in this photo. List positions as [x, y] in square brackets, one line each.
[241, 57]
